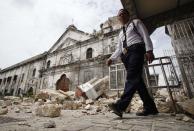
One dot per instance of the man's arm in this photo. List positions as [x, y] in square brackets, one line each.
[116, 54]
[147, 40]
[144, 34]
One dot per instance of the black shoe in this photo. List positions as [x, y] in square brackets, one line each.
[146, 113]
[113, 107]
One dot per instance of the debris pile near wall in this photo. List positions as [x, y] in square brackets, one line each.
[93, 88]
[91, 97]
[164, 103]
[3, 111]
[46, 109]
[53, 95]
[15, 104]
[187, 106]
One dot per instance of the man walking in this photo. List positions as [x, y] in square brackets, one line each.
[134, 43]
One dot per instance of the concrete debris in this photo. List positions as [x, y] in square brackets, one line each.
[187, 106]
[71, 105]
[2, 103]
[47, 110]
[162, 92]
[187, 119]
[179, 118]
[24, 124]
[28, 100]
[3, 111]
[111, 94]
[28, 111]
[51, 102]
[42, 95]
[94, 109]
[26, 104]
[88, 107]
[163, 101]
[165, 107]
[16, 110]
[182, 117]
[93, 88]
[68, 94]
[16, 102]
[106, 101]
[50, 124]
[8, 102]
[92, 98]
[50, 94]
[4, 106]
[82, 100]
[89, 101]
[12, 98]
[136, 104]
[39, 102]
[80, 94]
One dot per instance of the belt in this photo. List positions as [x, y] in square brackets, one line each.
[140, 44]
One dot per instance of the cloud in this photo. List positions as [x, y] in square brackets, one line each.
[30, 27]
[24, 3]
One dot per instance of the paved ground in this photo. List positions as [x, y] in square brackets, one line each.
[77, 121]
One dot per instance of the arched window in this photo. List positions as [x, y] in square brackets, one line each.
[48, 64]
[34, 72]
[89, 53]
[22, 79]
[4, 81]
[0, 81]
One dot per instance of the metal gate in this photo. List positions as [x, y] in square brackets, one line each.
[182, 35]
[117, 77]
[160, 74]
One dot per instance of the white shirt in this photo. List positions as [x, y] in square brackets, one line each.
[133, 38]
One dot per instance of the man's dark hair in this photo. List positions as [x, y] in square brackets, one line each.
[123, 11]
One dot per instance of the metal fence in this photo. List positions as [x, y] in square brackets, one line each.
[160, 74]
[182, 34]
[117, 75]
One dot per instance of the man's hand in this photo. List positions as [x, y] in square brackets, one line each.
[109, 62]
[149, 56]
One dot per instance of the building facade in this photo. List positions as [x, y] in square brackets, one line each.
[79, 55]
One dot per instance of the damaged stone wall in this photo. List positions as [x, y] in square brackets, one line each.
[50, 65]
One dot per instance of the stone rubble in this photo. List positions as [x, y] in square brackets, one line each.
[50, 103]
[187, 106]
[51, 94]
[24, 124]
[46, 110]
[187, 119]
[3, 111]
[16, 110]
[55, 101]
[50, 124]
[93, 88]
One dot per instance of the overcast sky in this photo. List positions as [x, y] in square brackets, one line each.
[30, 27]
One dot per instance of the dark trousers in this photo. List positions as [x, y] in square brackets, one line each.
[133, 62]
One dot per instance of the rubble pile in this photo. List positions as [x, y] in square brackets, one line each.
[3, 111]
[135, 105]
[15, 104]
[93, 88]
[187, 106]
[163, 101]
[91, 98]
[53, 95]
[46, 109]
